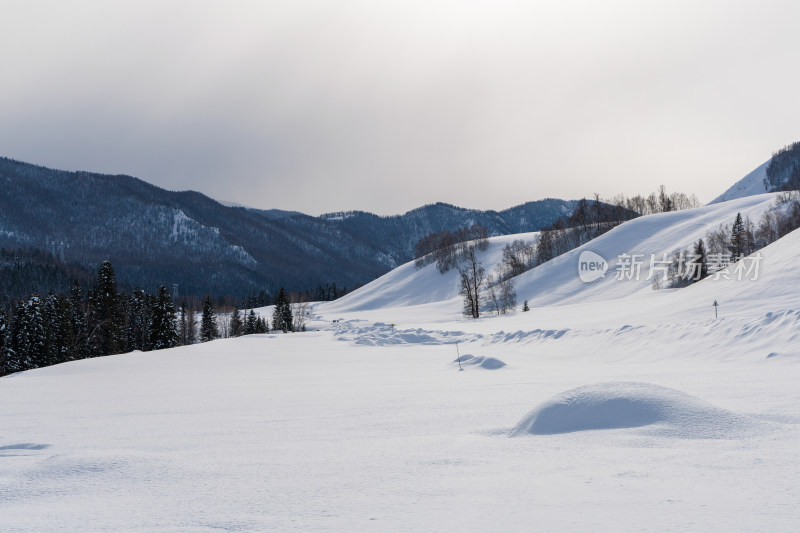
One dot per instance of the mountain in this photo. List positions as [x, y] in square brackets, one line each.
[780, 173]
[155, 236]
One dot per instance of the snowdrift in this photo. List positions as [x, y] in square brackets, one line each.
[630, 405]
[479, 361]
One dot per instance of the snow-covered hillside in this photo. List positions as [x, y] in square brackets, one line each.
[408, 285]
[752, 184]
[557, 282]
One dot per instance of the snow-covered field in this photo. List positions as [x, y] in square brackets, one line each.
[617, 408]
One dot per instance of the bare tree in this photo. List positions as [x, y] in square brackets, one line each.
[652, 204]
[473, 280]
[491, 295]
[301, 312]
[508, 296]
[518, 257]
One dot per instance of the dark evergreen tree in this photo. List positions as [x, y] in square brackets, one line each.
[64, 336]
[138, 329]
[251, 325]
[163, 325]
[282, 316]
[525, 306]
[57, 324]
[191, 326]
[105, 331]
[699, 262]
[262, 326]
[3, 343]
[77, 313]
[51, 323]
[208, 322]
[236, 326]
[738, 239]
[30, 341]
[263, 299]
[15, 360]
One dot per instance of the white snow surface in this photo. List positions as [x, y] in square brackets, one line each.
[408, 285]
[630, 409]
[752, 184]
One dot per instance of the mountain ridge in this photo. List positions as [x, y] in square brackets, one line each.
[155, 236]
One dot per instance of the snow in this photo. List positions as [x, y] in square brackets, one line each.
[752, 184]
[479, 361]
[408, 285]
[644, 412]
[630, 405]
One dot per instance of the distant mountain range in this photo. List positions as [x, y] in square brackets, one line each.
[154, 236]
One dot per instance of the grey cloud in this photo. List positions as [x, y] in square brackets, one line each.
[321, 106]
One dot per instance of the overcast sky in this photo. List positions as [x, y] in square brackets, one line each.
[322, 106]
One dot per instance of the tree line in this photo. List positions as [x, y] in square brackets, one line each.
[735, 241]
[43, 331]
[783, 170]
[495, 292]
[592, 219]
[447, 248]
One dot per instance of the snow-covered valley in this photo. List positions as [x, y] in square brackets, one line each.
[618, 407]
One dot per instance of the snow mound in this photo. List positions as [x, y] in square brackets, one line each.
[480, 361]
[659, 410]
[781, 354]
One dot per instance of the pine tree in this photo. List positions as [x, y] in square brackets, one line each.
[3, 343]
[236, 327]
[138, 329]
[51, 321]
[64, 337]
[77, 313]
[191, 326]
[163, 327]
[123, 318]
[58, 330]
[700, 262]
[251, 325]
[30, 336]
[15, 360]
[208, 322]
[282, 316]
[738, 239]
[105, 330]
[525, 306]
